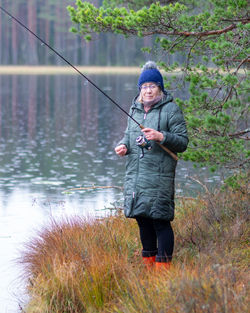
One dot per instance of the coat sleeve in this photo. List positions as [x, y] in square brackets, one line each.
[176, 139]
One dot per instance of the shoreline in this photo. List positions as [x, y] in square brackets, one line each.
[66, 70]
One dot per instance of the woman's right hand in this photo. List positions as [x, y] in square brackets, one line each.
[121, 150]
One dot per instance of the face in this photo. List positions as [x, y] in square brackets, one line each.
[149, 92]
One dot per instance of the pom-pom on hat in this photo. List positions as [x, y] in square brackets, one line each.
[150, 73]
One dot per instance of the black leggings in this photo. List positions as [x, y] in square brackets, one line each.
[157, 238]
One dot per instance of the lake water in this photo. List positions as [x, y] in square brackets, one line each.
[57, 133]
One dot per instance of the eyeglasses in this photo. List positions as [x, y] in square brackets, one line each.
[151, 87]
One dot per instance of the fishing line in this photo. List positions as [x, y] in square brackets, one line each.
[75, 68]
[78, 71]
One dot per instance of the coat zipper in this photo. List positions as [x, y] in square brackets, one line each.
[138, 164]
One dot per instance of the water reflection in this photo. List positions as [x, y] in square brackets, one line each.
[59, 132]
[56, 129]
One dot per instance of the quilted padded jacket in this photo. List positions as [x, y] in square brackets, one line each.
[149, 181]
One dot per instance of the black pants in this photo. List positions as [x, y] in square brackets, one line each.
[157, 238]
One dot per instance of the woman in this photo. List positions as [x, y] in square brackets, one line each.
[150, 173]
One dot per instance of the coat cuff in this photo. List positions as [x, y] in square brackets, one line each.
[164, 137]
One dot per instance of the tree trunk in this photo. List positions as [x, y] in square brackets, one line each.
[14, 38]
[32, 18]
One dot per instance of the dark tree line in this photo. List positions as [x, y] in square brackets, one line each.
[50, 20]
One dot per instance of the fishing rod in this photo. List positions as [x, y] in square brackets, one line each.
[79, 72]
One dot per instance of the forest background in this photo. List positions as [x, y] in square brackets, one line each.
[50, 20]
[204, 47]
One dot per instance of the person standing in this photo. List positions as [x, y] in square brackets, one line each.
[150, 170]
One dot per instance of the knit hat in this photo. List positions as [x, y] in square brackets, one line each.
[150, 73]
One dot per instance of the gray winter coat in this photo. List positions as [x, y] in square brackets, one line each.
[149, 181]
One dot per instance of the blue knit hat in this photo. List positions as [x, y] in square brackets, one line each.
[150, 73]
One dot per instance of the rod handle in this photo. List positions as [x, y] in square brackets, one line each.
[173, 155]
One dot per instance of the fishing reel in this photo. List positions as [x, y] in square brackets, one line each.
[143, 143]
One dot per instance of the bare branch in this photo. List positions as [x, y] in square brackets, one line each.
[190, 49]
[238, 164]
[93, 188]
[242, 132]
[242, 20]
[247, 59]
[227, 97]
[193, 34]
[176, 43]
[200, 183]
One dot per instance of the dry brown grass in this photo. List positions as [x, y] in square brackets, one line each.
[79, 266]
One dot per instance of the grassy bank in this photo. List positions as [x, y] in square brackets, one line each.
[95, 266]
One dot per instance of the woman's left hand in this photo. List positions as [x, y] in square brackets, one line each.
[152, 134]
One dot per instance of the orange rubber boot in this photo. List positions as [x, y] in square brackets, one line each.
[148, 261]
[162, 266]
